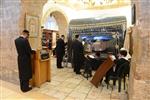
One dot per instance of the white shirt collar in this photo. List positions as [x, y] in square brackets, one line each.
[124, 58]
[22, 36]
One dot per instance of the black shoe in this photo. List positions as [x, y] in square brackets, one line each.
[26, 90]
[60, 67]
[78, 72]
[30, 88]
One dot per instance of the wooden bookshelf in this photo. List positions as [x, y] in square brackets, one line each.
[49, 38]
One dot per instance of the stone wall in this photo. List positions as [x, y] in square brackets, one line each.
[12, 21]
[32, 8]
[9, 18]
[139, 83]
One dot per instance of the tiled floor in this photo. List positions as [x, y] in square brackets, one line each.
[65, 85]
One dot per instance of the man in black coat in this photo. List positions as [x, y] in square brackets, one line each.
[118, 62]
[78, 54]
[24, 60]
[60, 51]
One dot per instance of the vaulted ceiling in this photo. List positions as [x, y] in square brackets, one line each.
[92, 4]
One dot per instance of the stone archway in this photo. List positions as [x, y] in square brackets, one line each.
[61, 21]
[60, 17]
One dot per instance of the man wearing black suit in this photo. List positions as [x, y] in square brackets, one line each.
[24, 60]
[78, 54]
[121, 60]
[118, 62]
[60, 51]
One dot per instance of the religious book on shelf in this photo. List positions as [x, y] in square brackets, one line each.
[47, 38]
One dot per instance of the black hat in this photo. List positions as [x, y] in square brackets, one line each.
[76, 36]
[25, 31]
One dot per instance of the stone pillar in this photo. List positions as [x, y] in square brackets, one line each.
[10, 11]
[33, 8]
[12, 22]
[139, 83]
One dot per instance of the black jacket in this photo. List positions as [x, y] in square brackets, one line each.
[24, 58]
[78, 52]
[60, 47]
[119, 62]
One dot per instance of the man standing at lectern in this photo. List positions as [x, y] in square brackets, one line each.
[24, 60]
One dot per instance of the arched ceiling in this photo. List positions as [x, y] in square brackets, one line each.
[65, 6]
[92, 4]
[60, 19]
[66, 10]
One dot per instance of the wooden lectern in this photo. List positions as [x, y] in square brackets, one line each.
[101, 71]
[40, 70]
